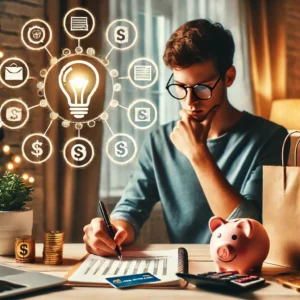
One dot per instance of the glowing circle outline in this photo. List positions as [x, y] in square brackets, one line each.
[70, 34]
[129, 117]
[24, 81]
[153, 81]
[134, 153]
[47, 157]
[83, 55]
[78, 138]
[27, 111]
[50, 35]
[126, 21]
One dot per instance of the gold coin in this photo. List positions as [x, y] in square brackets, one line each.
[25, 249]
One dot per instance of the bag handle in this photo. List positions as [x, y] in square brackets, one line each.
[283, 148]
[13, 65]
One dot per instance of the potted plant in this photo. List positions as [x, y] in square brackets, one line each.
[15, 218]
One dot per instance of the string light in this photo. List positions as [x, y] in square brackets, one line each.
[10, 166]
[17, 159]
[31, 180]
[6, 149]
[25, 176]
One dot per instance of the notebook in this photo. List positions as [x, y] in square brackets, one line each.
[92, 270]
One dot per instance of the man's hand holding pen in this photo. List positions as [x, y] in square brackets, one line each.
[97, 238]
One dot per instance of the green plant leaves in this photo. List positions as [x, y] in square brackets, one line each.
[13, 192]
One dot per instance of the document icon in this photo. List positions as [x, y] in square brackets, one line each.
[13, 72]
[79, 24]
[14, 114]
[142, 73]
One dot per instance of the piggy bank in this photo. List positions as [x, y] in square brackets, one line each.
[239, 245]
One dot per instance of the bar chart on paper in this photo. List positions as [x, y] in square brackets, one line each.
[163, 264]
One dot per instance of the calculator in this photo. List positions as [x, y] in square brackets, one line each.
[227, 281]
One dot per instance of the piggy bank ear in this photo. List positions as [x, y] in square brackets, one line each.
[246, 226]
[216, 222]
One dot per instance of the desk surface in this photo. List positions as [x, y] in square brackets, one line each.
[199, 261]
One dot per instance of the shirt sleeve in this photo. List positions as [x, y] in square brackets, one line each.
[270, 154]
[141, 193]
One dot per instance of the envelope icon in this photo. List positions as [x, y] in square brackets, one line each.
[13, 72]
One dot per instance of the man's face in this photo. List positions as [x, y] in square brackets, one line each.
[200, 73]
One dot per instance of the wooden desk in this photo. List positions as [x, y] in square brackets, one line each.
[199, 261]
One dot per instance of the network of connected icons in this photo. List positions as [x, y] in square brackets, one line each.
[77, 79]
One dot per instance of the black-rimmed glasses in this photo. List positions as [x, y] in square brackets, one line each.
[201, 91]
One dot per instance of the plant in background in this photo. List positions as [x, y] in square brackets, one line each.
[13, 192]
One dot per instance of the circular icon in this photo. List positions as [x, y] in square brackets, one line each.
[14, 113]
[79, 23]
[78, 152]
[142, 114]
[121, 34]
[121, 148]
[143, 72]
[36, 34]
[80, 80]
[37, 148]
[14, 72]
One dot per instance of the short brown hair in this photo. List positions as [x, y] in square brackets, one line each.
[198, 41]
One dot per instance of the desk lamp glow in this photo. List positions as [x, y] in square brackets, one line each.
[78, 80]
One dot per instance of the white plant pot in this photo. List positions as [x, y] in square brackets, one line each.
[12, 225]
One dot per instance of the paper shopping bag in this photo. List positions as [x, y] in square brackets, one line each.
[281, 211]
[13, 72]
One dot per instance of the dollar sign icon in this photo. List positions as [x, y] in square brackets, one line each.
[121, 149]
[78, 152]
[24, 250]
[121, 34]
[36, 146]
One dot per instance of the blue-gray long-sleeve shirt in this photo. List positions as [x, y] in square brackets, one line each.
[163, 174]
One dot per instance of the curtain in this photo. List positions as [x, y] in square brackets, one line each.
[156, 21]
[267, 53]
[71, 194]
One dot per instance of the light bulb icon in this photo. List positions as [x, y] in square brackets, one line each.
[78, 80]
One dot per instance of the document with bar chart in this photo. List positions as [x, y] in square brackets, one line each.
[94, 269]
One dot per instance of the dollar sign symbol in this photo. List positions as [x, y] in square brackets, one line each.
[121, 149]
[14, 114]
[36, 146]
[24, 250]
[121, 35]
[143, 115]
[78, 152]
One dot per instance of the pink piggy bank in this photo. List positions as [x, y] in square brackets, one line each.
[238, 245]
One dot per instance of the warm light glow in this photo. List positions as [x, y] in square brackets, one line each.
[10, 166]
[31, 180]
[25, 176]
[17, 159]
[6, 149]
[78, 82]
[1, 54]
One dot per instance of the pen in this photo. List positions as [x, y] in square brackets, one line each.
[109, 227]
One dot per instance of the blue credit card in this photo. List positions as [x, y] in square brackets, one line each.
[130, 280]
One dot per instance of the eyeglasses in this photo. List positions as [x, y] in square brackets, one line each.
[201, 91]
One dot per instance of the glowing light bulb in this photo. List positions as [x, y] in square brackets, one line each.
[25, 176]
[78, 80]
[6, 149]
[17, 159]
[10, 166]
[1, 54]
[31, 180]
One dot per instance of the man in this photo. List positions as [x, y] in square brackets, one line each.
[207, 163]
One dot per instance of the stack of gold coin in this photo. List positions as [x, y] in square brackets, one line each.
[53, 247]
[25, 249]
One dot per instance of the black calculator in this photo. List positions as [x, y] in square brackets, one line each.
[227, 281]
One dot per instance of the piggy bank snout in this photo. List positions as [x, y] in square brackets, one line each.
[226, 252]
